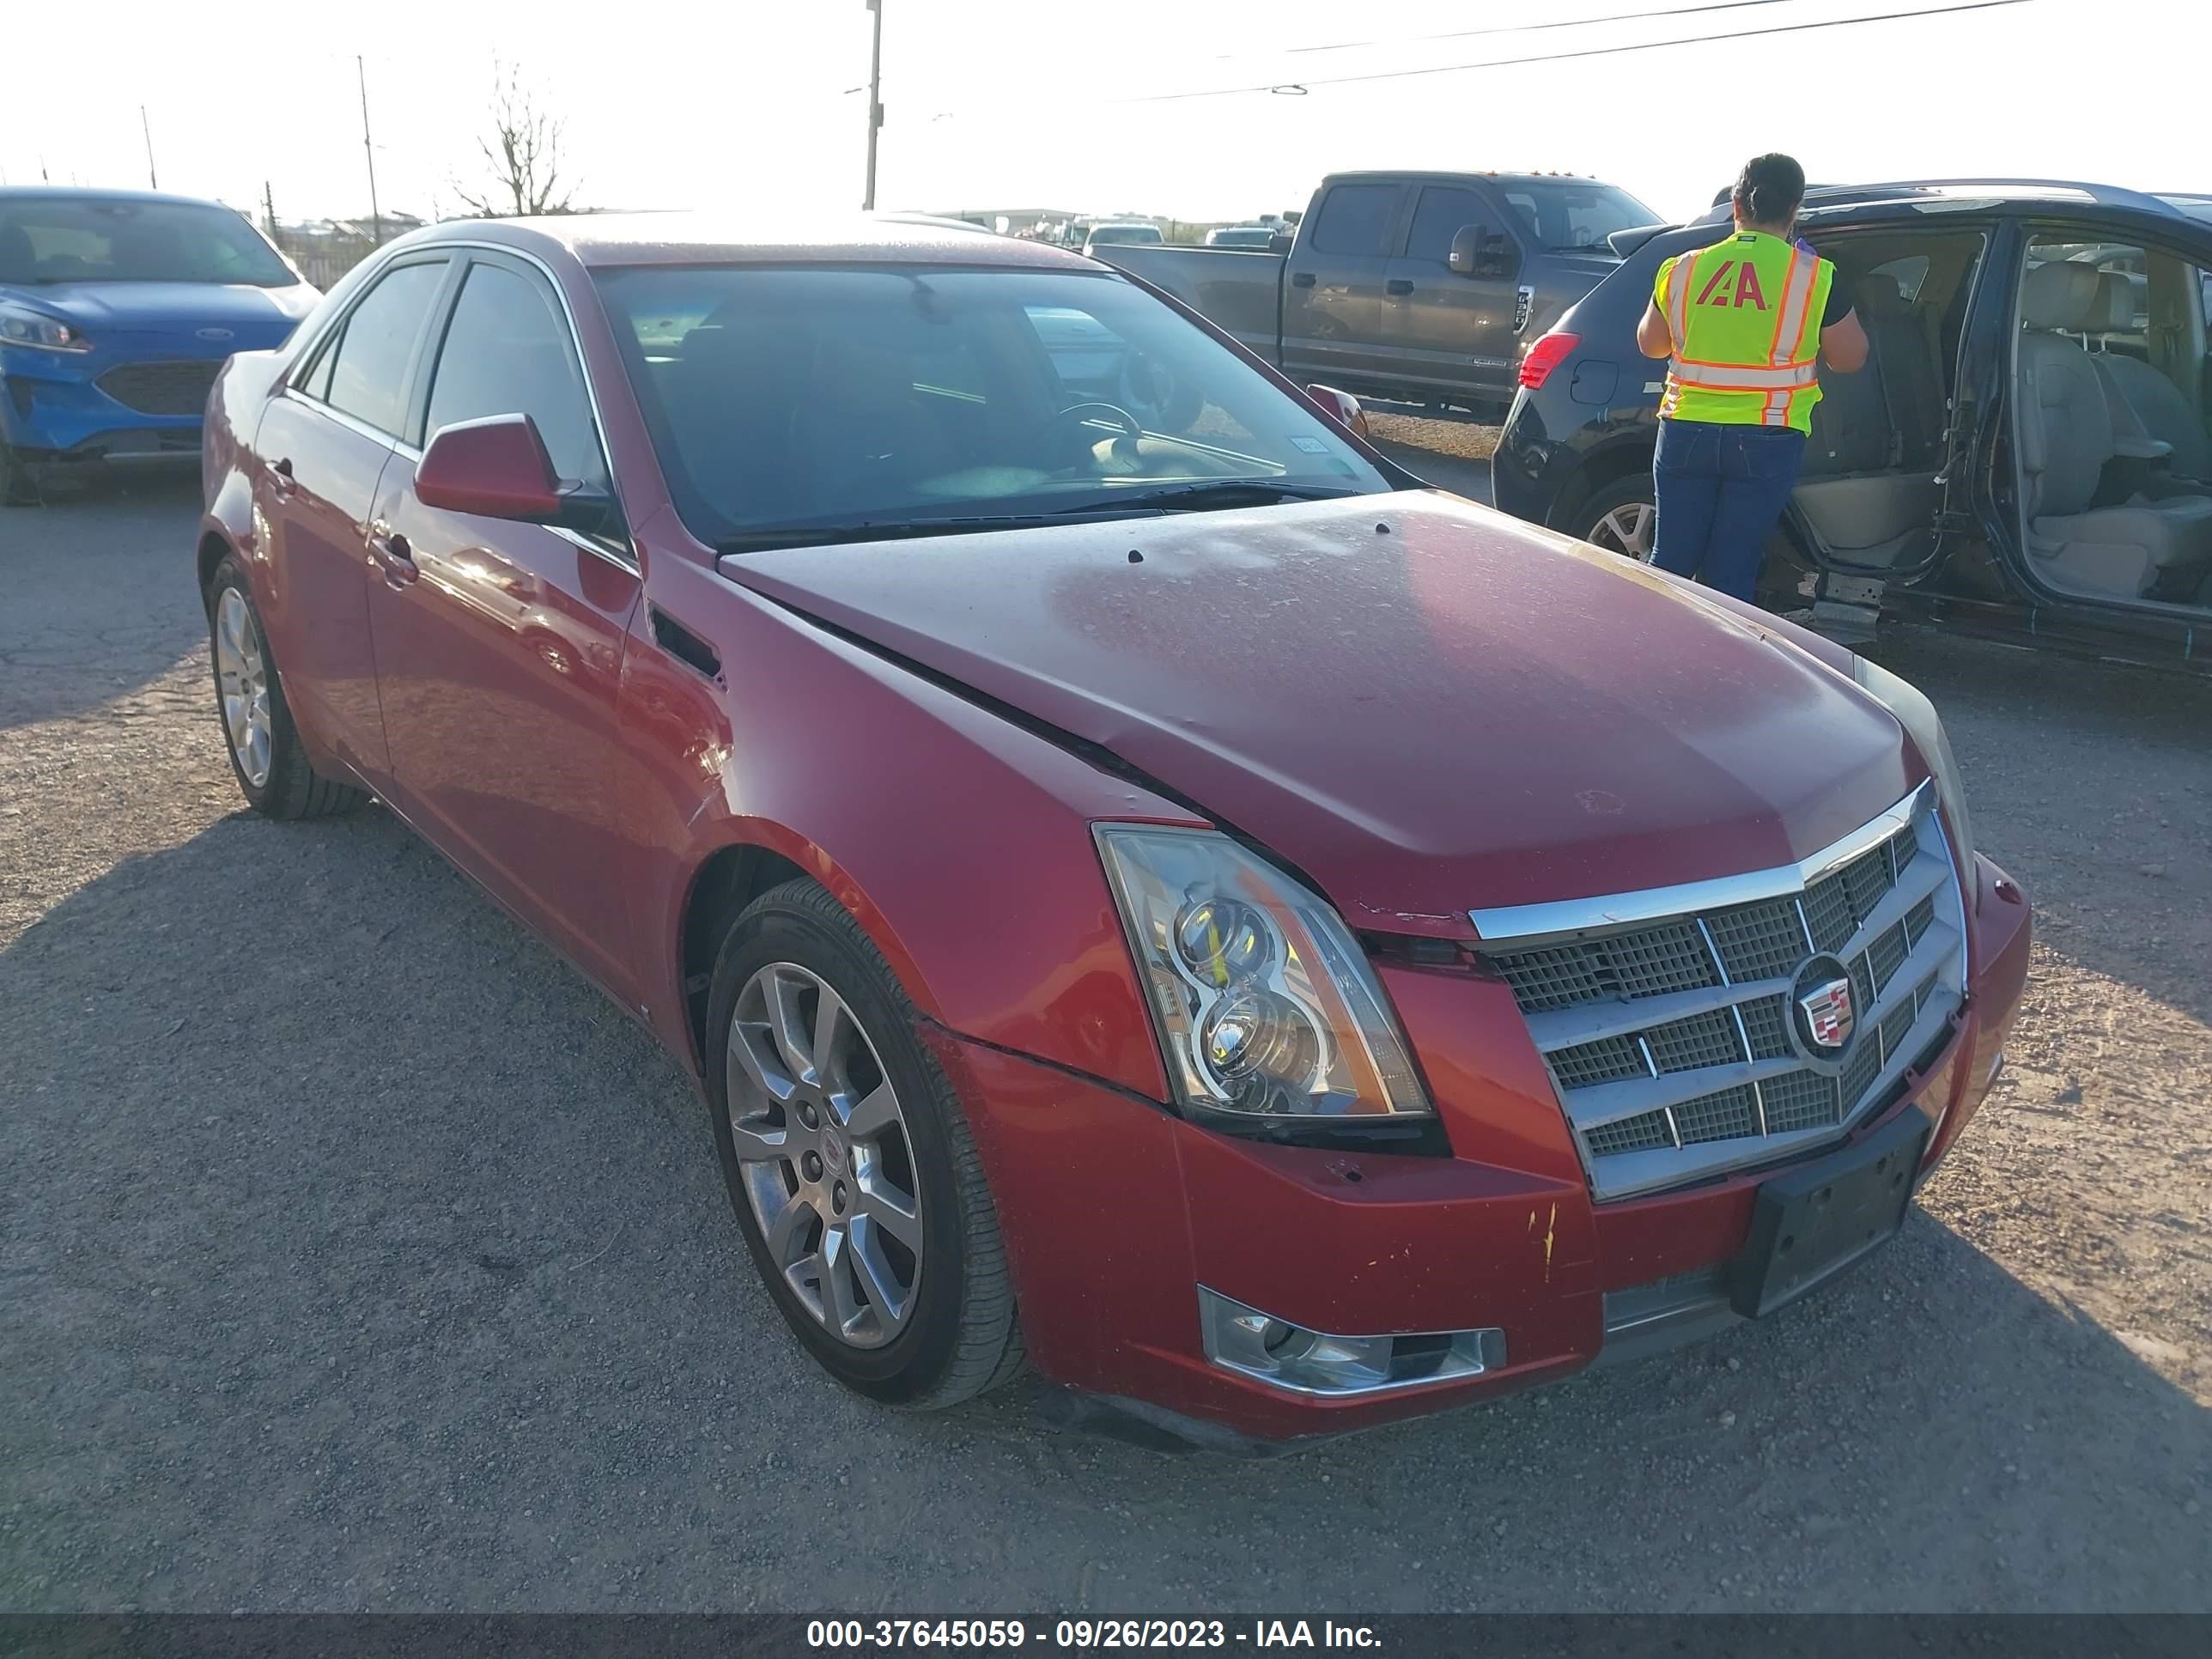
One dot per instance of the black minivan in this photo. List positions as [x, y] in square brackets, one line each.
[2026, 454]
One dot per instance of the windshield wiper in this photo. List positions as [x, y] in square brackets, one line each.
[1168, 498]
[1210, 492]
[872, 529]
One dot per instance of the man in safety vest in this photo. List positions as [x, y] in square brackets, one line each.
[1745, 324]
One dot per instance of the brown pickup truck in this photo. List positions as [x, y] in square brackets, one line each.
[1417, 286]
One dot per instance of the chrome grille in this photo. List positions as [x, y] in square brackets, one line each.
[1606, 1061]
[1643, 963]
[1646, 1133]
[1724, 1117]
[1665, 1016]
[1801, 1100]
[1766, 1026]
[1759, 941]
[1687, 1045]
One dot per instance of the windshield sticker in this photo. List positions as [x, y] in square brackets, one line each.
[1311, 446]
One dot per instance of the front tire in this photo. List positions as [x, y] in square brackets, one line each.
[1622, 518]
[266, 755]
[849, 1161]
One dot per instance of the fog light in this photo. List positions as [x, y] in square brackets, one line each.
[1243, 1339]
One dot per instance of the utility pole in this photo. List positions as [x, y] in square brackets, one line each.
[875, 102]
[375, 215]
[268, 210]
[146, 127]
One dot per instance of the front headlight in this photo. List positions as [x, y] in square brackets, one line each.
[22, 327]
[1918, 717]
[1265, 1005]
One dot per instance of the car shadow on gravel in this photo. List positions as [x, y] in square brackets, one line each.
[359, 1254]
[83, 625]
[2133, 900]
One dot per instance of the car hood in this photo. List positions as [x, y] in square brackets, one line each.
[257, 317]
[1423, 706]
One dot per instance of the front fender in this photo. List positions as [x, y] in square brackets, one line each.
[228, 523]
[959, 841]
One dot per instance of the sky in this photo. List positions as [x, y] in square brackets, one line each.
[1065, 103]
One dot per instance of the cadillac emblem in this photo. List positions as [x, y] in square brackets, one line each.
[1821, 1011]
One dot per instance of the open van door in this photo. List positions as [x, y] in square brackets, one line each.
[1897, 466]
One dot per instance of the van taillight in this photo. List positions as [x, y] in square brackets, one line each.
[1547, 355]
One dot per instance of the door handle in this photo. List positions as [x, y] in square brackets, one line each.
[280, 480]
[1398, 285]
[1301, 279]
[391, 552]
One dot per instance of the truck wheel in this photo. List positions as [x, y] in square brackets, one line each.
[849, 1161]
[266, 755]
[1620, 518]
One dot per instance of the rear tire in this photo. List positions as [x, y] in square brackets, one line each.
[840, 1142]
[1622, 518]
[266, 755]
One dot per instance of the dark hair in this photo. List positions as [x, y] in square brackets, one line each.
[1769, 190]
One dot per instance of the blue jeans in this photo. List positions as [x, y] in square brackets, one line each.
[1719, 491]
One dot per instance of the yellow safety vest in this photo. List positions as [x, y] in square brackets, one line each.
[1746, 318]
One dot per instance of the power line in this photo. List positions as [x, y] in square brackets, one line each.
[1511, 28]
[1562, 56]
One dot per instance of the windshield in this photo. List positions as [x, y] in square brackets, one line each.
[1570, 215]
[1126, 234]
[789, 396]
[91, 239]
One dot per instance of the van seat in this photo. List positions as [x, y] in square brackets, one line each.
[1868, 490]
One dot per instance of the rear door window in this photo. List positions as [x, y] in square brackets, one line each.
[1355, 219]
[368, 366]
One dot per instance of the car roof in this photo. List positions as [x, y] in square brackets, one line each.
[72, 193]
[1417, 175]
[1994, 192]
[731, 237]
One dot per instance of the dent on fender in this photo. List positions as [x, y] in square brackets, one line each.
[1007, 935]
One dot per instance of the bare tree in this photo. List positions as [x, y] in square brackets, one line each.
[523, 153]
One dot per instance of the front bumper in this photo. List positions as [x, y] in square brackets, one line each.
[1116, 1214]
[63, 406]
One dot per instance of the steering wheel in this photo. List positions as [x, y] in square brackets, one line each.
[1070, 421]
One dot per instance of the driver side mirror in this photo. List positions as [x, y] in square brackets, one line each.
[497, 468]
[1341, 407]
[1476, 252]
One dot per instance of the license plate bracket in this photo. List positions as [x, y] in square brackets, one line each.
[1811, 1223]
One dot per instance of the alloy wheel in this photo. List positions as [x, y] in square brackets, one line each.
[242, 679]
[1626, 529]
[823, 1150]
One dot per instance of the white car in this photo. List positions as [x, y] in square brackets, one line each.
[1122, 234]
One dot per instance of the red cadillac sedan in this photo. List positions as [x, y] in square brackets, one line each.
[1146, 890]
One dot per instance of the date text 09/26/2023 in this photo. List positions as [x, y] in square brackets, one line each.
[858, 1633]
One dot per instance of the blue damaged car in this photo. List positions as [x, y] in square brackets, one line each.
[117, 310]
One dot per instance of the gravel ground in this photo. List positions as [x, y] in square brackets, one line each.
[357, 1255]
[1449, 451]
